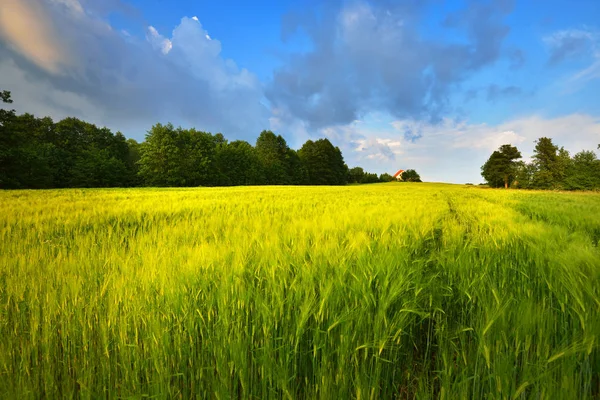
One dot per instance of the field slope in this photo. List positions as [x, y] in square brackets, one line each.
[375, 291]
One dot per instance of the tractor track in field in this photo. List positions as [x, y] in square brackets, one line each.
[518, 206]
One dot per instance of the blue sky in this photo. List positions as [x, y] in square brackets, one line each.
[430, 85]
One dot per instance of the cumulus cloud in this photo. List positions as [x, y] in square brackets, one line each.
[372, 56]
[158, 41]
[118, 80]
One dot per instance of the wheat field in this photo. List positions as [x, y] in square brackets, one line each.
[367, 292]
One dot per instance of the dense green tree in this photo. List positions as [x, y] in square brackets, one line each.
[524, 175]
[238, 164]
[385, 177]
[273, 153]
[549, 165]
[197, 150]
[355, 175]
[132, 161]
[8, 142]
[296, 170]
[24, 156]
[159, 163]
[410, 175]
[324, 163]
[178, 157]
[369, 178]
[501, 168]
[87, 156]
[225, 165]
[583, 172]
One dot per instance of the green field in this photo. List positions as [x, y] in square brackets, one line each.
[372, 291]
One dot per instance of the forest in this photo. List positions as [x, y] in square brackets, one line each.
[38, 153]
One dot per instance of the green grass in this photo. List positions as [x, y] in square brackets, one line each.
[376, 291]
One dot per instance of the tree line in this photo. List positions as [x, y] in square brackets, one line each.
[41, 153]
[551, 168]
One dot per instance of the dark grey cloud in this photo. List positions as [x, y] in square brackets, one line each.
[372, 56]
[127, 83]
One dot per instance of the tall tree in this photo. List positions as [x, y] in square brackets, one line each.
[87, 156]
[583, 172]
[548, 165]
[238, 164]
[324, 163]
[272, 151]
[385, 177]
[159, 157]
[197, 150]
[369, 177]
[7, 142]
[24, 156]
[132, 161]
[296, 170]
[178, 157]
[24, 153]
[501, 168]
[355, 175]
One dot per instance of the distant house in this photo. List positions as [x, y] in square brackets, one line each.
[398, 175]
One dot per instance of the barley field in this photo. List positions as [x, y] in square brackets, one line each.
[360, 292]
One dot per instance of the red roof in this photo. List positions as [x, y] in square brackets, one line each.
[398, 173]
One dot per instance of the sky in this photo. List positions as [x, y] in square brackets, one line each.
[429, 85]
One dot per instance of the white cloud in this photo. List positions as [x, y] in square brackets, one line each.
[158, 41]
